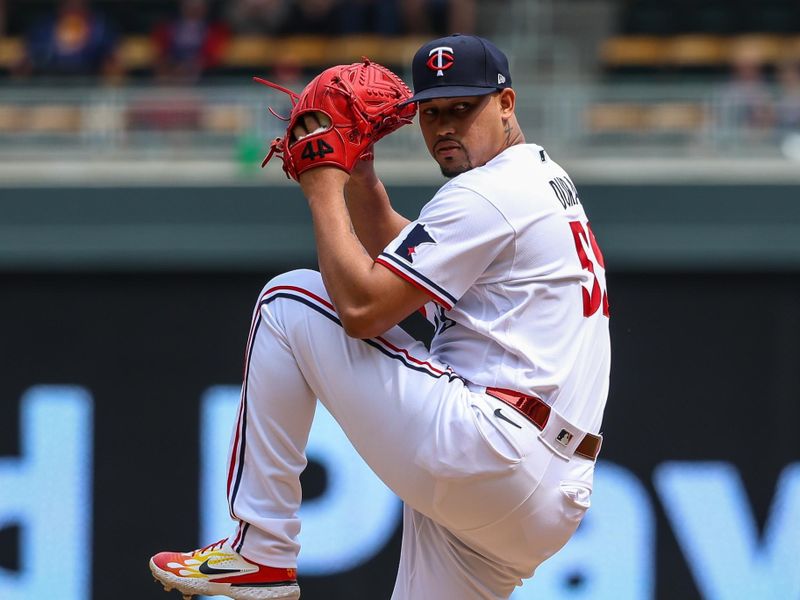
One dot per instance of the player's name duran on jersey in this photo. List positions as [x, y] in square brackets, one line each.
[565, 191]
[401, 268]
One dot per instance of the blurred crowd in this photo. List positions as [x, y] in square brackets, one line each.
[753, 102]
[77, 37]
[185, 40]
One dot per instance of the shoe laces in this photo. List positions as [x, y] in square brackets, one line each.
[212, 546]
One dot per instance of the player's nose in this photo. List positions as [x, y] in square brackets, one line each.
[444, 127]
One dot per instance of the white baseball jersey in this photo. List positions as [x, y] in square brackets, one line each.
[506, 250]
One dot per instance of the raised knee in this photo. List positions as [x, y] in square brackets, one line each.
[278, 301]
[304, 279]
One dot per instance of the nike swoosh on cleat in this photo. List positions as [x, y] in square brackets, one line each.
[498, 413]
[206, 569]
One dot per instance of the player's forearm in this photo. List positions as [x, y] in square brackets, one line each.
[375, 222]
[343, 261]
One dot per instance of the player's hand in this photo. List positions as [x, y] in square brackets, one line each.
[310, 123]
[316, 181]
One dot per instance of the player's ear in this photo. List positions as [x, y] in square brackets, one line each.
[507, 101]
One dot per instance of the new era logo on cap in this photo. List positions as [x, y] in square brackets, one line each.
[458, 65]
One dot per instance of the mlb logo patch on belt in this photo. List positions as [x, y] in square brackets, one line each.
[564, 437]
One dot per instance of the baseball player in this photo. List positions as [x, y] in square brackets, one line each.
[488, 429]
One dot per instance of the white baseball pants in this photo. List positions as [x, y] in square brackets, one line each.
[485, 500]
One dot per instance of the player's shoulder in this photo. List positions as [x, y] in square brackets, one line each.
[518, 164]
[525, 168]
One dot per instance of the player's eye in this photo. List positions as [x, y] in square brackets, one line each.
[461, 107]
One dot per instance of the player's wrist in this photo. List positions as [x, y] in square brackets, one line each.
[324, 182]
[362, 179]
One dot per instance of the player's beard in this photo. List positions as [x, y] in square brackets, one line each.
[452, 170]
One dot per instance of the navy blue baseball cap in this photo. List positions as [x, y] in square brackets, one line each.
[458, 65]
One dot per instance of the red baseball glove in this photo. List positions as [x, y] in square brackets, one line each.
[358, 105]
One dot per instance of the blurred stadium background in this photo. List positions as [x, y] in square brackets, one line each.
[136, 230]
[703, 83]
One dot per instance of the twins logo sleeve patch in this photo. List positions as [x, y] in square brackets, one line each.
[415, 238]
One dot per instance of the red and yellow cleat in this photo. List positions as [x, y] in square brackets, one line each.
[218, 570]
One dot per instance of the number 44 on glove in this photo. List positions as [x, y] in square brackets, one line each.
[354, 105]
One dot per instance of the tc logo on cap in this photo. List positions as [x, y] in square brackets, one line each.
[441, 59]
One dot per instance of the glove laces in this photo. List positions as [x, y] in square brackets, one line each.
[292, 96]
